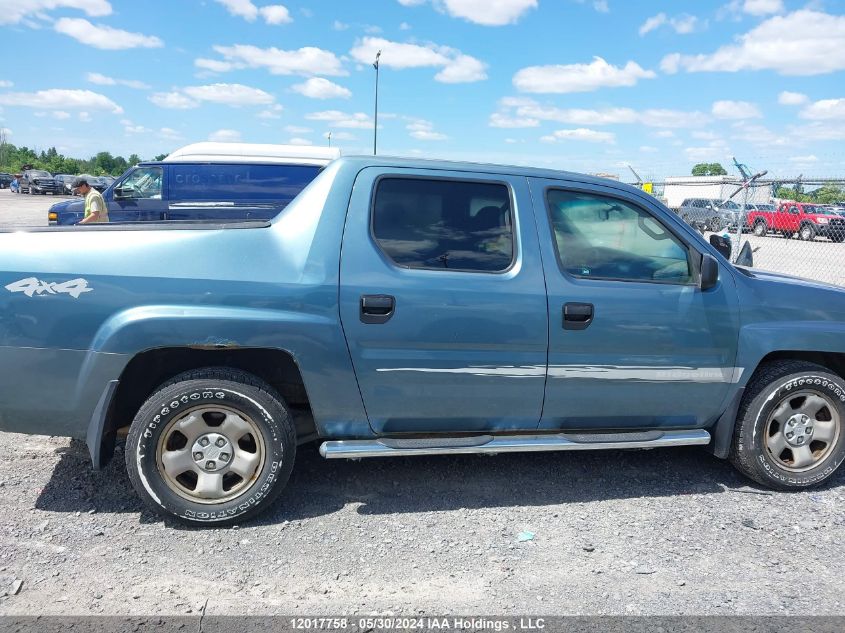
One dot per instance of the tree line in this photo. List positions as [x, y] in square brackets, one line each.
[12, 160]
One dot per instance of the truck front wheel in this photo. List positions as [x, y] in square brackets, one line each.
[211, 447]
[789, 433]
[760, 228]
[807, 233]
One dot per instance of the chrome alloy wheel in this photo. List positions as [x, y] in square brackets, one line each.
[210, 454]
[802, 430]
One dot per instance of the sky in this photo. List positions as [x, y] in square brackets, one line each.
[581, 85]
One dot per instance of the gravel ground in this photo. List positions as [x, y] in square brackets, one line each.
[671, 531]
[640, 532]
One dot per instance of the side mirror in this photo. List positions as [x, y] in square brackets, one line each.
[121, 193]
[746, 256]
[709, 272]
[721, 244]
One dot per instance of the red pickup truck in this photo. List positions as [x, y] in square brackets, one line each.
[808, 220]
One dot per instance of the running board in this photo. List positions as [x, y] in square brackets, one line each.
[393, 447]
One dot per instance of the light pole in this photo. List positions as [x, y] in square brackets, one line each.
[375, 126]
[329, 136]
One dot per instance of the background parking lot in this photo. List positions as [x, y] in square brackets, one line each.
[636, 532]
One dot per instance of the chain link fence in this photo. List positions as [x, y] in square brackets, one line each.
[794, 226]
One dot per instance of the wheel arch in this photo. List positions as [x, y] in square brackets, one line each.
[723, 430]
[149, 369]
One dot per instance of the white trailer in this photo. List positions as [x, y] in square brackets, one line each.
[677, 189]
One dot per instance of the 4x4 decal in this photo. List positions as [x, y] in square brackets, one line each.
[31, 287]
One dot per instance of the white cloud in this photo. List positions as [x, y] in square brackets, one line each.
[241, 8]
[484, 12]
[812, 158]
[173, 101]
[735, 110]
[275, 14]
[136, 129]
[337, 25]
[763, 7]
[824, 110]
[305, 61]
[456, 67]
[297, 129]
[652, 23]
[498, 119]
[225, 136]
[169, 134]
[55, 98]
[648, 149]
[579, 134]
[320, 88]
[103, 80]
[273, 112]
[335, 118]
[423, 130]
[404, 26]
[682, 24]
[5, 83]
[792, 98]
[704, 136]
[104, 37]
[300, 141]
[227, 94]
[665, 134]
[12, 11]
[342, 136]
[85, 117]
[61, 115]
[569, 78]
[528, 109]
[805, 42]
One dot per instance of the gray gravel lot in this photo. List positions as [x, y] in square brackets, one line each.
[637, 532]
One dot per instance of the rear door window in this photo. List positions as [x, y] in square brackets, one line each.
[444, 224]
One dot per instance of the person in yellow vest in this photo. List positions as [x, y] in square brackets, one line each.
[95, 207]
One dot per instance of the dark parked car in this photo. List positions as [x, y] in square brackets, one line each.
[38, 181]
[64, 182]
[6, 180]
[712, 213]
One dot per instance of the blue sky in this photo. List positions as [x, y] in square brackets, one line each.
[583, 85]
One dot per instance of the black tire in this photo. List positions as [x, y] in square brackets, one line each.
[807, 233]
[768, 389]
[236, 391]
[760, 229]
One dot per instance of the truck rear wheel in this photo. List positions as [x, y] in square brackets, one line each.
[211, 447]
[789, 433]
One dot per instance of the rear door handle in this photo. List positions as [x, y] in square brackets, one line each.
[377, 308]
[577, 316]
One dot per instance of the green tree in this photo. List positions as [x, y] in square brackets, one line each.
[709, 169]
[160, 157]
[134, 159]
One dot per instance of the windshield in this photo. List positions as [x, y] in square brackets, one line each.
[765, 207]
[36, 173]
[728, 204]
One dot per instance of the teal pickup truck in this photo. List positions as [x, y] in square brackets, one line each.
[406, 307]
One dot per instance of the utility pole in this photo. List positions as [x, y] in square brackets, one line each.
[329, 136]
[375, 126]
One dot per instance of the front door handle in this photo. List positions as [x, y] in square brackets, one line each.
[577, 316]
[377, 308]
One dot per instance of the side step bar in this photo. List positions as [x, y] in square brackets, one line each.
[392, 447]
